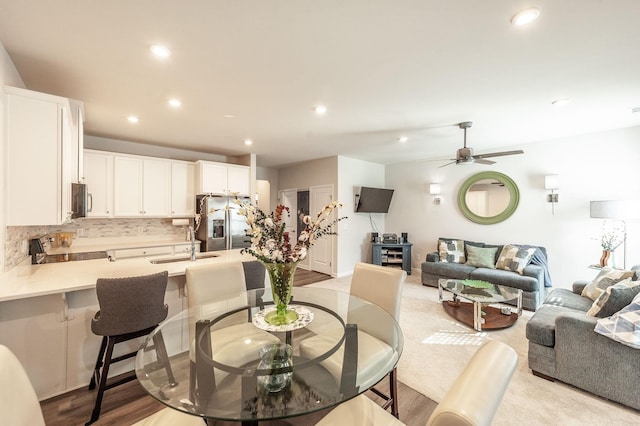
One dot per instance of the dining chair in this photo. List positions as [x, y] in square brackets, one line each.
[381, 286]
[472, 400]
[130, 308]
[19, 403]
[222, 286]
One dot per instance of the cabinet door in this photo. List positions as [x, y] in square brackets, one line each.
[127, 188]
[156, 184]
[33, 161]
[212, 178]
[238, 179]
[99, 180]
[183, 194]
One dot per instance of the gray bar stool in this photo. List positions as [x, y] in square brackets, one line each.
[129, 308]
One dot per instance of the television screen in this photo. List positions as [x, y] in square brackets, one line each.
[374, 200]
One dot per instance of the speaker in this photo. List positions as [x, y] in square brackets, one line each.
[374, 237]
[405, 237]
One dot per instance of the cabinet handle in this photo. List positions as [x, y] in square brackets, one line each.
[90, 209]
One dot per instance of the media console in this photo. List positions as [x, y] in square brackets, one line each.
[396, 255]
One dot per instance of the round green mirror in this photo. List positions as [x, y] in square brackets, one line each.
[488, 197]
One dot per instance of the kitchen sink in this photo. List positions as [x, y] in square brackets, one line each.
[183, 258]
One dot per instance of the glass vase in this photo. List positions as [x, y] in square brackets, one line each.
[275, 367]
[281, 278]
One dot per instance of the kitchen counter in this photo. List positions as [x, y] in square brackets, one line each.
[27, 280]
[80, 245]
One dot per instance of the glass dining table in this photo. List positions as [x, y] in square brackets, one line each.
[217, 361]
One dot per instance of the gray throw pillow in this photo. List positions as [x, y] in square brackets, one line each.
[614, 298]
[514, 258]
[605, 278]
[451, 251]
[481, 257]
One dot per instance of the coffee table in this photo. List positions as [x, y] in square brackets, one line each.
[478, 313]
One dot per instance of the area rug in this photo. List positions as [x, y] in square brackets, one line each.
[436, 349]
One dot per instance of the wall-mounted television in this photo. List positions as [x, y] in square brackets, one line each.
[373, 200]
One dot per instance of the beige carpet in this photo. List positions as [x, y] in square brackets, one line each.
[437, 348]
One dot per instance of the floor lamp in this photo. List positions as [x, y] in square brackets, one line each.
[617, 210]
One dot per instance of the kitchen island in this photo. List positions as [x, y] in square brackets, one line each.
[46, 312]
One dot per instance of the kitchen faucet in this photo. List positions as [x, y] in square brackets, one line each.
[192, 237]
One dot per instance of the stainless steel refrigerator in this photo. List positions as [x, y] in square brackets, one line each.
[221, 227]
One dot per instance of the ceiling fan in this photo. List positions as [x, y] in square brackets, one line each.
[465, 155]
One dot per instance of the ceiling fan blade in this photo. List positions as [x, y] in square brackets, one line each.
[448, 164]
[482, 161]
[498, 154]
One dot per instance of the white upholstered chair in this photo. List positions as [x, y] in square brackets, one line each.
[469, 402]
[19, 404]
[381, 286]
[221, 286]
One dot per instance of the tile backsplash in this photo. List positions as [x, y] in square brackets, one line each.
[17, 237]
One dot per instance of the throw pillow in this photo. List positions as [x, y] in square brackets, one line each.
[481, 257]
[624, 325]
[514, 258]
[606, 278]
[614, 298]
[451, 251]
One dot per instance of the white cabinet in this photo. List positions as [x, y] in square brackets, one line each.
[42, 156]
[141, 186]
[98, 174]
[35, 331]
[183, 194]
[221, 178]
[238, 178]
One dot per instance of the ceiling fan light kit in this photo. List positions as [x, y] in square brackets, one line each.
[465, 155]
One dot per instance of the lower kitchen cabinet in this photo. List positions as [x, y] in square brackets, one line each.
[51, 336]
[36, 332]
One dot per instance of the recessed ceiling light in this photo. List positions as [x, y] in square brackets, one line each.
[320, 109]
[403, 139]
[160, 51]
[132, 119]
[175, 103]
[228, 116]
[248, 142]
[561, 102]
[525, 17]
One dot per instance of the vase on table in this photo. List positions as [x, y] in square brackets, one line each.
[604, 260]
[276, 364]
[281, 278]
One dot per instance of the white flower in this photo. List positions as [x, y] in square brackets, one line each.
[268, 222]
[304, 236]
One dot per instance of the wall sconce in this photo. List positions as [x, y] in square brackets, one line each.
[552, 182]
[434, 191]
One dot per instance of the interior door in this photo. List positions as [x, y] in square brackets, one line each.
[289, 198]
[321, 253]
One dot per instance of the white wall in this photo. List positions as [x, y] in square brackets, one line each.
[354, 232]
[8, 76]
[599, 166]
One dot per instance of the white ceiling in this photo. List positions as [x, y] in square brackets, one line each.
[384, 68]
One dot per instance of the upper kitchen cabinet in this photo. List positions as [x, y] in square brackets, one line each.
[44, 155]
[183, 194]
[221, 178]
[98, 175]
[142, 187]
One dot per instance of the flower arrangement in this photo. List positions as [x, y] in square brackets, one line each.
[271, 243]
[612, 235]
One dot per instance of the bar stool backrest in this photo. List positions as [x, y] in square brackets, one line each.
[130, 304]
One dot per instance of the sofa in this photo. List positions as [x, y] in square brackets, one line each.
[568, 344]
[520, 266]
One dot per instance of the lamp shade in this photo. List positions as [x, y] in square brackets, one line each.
[552, 182]
[434, 188]
[615, 209]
